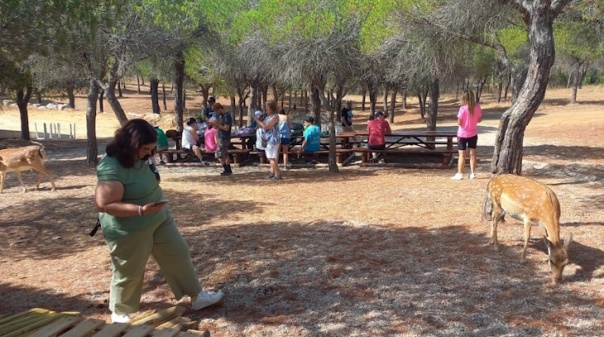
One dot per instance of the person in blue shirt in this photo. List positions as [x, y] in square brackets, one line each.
[312, 136]
[209, 111]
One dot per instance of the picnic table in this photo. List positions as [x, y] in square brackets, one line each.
[414, 142]
[238, 152]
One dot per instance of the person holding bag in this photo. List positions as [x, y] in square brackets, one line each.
[271, 138]
[137, 223]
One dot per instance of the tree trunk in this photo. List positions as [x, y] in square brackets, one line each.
[372, 91]
[138, 84]
[392, 106]
[92, 151]
[205, 93]
[119, 89]
[385, 99]
[71, 96]
[101, 100]
[315, 102]
[507, 155]
[23, 98]
[179, 80]
[163, 91]
[306, 101]
[233, 107]
[404, 99]
[253, 97]
[114, 102]
[363, 98]
[264, 90]
[576, 76]
[499, 87]
[275, 93]
[433, 108]
[423, 98]
[507, 87]
[154, 84]
[479, 86]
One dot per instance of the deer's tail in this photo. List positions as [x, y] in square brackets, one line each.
[487, 206]
[42, 151]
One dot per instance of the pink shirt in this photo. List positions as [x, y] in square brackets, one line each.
[468, 125]
[210, 140]
[377, 129]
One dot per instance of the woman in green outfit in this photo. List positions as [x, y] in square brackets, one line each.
[137, 223]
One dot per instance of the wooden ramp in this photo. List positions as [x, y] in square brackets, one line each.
[45, 323]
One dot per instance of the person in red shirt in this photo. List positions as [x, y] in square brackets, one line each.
[378, 128]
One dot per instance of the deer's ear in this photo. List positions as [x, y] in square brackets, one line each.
[568, 238]
[548, 244]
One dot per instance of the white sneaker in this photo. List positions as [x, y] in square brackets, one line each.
[472, 176]
[120, 318]
[206, 298]
[457, 176]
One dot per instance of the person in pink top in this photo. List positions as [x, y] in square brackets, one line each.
[377, 129]
[210, 138]
[468, 117]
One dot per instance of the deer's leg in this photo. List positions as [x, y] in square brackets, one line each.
[527, 236]
[497, 215]
[18, 174]
[2, 175]
[43, 171]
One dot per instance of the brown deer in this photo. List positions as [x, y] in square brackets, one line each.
[23, 159]
[529, 201]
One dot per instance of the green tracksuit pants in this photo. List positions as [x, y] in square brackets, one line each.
[129, 256]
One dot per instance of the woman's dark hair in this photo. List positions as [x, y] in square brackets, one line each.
[129, 139]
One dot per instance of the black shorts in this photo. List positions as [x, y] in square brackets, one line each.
[463, 143]
[376, 147]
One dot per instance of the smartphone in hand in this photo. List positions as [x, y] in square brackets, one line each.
[161, 202]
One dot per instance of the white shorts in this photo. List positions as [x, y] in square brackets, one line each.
[272, 151]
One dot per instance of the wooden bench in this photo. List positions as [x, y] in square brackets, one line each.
[340, 154]
[171, 153]
[447, 154]
[238, 155]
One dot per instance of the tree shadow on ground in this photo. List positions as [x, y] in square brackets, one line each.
[331, 277]
[370, 278]
[256, 176]
[51, 299]
[588, 259]
[570, 153]
[59, 228]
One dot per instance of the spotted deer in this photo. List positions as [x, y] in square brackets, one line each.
[23, 159]
[531, 202]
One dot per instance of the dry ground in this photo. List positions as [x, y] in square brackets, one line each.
[366, 252]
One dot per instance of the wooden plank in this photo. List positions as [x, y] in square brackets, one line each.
[56, 327]
[140, 331]
[160, 317]
[112, 330]
[169, 332]
[24, 326]
[204, 333]
[194, 333]
[84, 328]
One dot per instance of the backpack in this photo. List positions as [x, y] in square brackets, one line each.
[297, 129]
[245, 131]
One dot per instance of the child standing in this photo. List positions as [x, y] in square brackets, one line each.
[468, 117]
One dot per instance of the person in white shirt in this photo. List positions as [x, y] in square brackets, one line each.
[190, 138]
